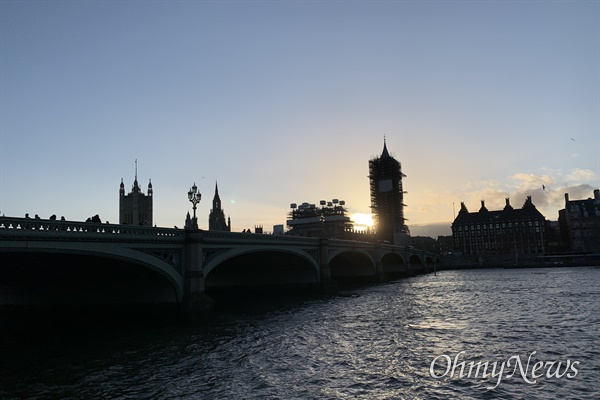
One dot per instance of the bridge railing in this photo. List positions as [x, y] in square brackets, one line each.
[210, 236]
[10, 226]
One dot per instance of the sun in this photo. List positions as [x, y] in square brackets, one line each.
[362, 221]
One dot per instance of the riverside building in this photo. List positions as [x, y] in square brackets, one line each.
[579, 224]
[507, 231]
[329, 219]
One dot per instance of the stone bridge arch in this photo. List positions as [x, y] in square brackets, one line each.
[415, 261]
[259, 266]
[393, 263]
[351, 263]
[429, 261]
[93, 272]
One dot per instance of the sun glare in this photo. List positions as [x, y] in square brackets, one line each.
[362, 221]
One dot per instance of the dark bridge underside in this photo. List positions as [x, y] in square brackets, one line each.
[351, 265]
[393, 264]
[71, 279]
[262, 268]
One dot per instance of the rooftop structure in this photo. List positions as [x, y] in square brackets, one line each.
[329, 219]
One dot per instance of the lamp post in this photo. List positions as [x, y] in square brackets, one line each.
[194, 197]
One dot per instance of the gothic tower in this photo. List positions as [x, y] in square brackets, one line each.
[216, 219]
[387, 198]
[135, 208]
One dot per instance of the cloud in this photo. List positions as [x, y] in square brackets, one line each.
[438, 204]
[530, 181]
[581, 175]
[547, 190]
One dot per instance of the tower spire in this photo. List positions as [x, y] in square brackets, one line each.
[384, 153]
[216, 219]
[136, 185]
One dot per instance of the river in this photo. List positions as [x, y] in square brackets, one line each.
[399, 340]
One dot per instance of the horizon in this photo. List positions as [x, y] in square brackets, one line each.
[286, 102]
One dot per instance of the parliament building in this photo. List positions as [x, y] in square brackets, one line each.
[135, 208]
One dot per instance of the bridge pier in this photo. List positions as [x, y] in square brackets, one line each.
[327, 284]
[382, 276]
[195, 301]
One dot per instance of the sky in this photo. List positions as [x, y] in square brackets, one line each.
[286, 101]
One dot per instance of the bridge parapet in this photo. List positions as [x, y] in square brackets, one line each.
[249, 238]
[18, 228]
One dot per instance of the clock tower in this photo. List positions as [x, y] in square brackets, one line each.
[387, 198]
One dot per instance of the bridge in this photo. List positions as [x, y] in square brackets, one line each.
[61, 262]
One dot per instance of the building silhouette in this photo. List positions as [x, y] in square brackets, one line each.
[579, 223]
[507, 231]
[135, 208]
[328, 220]
[216, 218]
[387, 198]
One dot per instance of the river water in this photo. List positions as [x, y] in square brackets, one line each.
[376, 342]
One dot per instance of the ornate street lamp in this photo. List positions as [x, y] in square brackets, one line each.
[194, 197]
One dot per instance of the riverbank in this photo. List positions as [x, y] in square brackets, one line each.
[451, 262]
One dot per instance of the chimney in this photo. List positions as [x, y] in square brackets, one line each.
[507, 202]
[483, 209]
[566, 198]
[597, 195]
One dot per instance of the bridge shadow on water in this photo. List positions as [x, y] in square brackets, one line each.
[33, 322]
[58, 280]
[264, 298]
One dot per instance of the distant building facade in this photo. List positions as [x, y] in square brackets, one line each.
[328, 220]
[135, 208]
[387, 198]
[216, 218]
[579, 224]
[507, 231]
